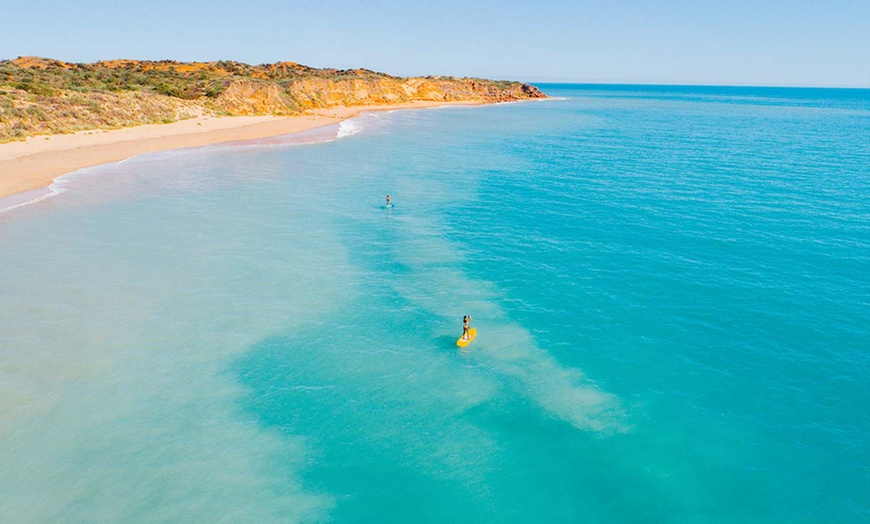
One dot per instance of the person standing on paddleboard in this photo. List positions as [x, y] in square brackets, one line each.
[465, 320]
[389, 201]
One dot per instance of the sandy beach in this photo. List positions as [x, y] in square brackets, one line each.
[34, 163]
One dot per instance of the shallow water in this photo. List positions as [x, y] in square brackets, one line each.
[670, 287]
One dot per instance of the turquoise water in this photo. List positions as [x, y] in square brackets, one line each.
[670, 286]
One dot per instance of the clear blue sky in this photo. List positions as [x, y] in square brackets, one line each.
[761, 42]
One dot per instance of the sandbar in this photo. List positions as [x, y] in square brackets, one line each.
[35, 162]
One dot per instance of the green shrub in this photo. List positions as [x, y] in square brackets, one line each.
[35, 88]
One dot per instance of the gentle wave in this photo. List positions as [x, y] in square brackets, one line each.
[59, 185]
[18, 201]
[348, 128]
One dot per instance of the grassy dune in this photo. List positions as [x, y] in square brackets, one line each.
[44, 96]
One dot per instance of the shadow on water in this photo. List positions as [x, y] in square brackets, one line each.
[445, 343]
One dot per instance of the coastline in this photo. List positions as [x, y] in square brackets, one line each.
[35, 163]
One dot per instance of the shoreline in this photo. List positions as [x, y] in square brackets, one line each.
[38, 161]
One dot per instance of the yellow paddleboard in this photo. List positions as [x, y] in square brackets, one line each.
[462, 342]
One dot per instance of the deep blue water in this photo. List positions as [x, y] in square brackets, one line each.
[671, 286]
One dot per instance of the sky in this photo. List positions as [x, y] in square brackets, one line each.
[736, 42]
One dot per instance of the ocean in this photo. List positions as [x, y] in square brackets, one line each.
[671, 287]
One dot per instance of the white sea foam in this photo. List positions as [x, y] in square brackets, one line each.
[319, 135]
[348, 128]
[31, 197]
[58, 186]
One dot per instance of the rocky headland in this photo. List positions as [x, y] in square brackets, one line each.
[40, 96]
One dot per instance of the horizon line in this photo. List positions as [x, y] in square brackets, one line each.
[690, 84]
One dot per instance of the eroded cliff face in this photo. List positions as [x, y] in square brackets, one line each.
[246, 97]
[39, 95]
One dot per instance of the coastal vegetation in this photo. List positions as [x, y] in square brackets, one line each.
[45, 96]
